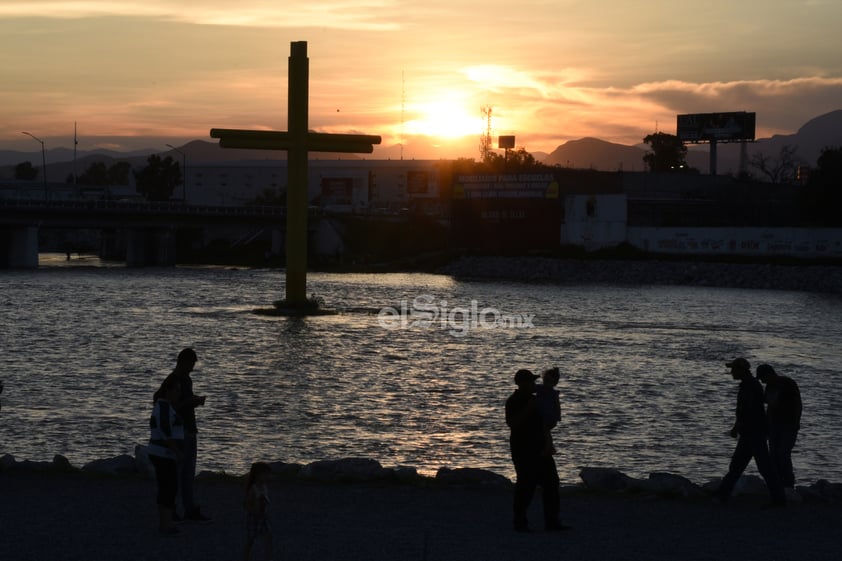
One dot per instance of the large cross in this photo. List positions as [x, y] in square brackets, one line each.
[297, 141]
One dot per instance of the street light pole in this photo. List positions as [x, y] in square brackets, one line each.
[43, 158]
[184, 178]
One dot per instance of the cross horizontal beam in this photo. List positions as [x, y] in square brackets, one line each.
[281, 140]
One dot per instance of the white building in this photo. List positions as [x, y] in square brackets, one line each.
[337, 185]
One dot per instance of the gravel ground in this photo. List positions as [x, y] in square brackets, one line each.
[53, 516]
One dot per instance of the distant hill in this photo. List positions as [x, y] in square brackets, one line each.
[810, 140]
[592, 153]
[814, 136]
[586, 153]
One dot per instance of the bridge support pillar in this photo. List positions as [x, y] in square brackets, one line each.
[150, 247]
[19, 247]
[278, 242]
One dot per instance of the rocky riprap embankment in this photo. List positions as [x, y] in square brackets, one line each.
[801, 277]
[356, 470]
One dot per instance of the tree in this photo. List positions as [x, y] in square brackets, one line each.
[118, 173]
[513, 161]
[95, 175]
[783, 169]
[158, 179]
[668, 153]
[24, 171]
[822, 196]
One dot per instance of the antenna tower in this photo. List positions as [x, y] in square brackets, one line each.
[485, 139]
[403, 109]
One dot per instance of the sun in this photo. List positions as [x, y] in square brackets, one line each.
[445, 118]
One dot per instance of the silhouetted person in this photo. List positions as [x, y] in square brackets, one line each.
[783, 411]
[186, 409]
[751, 431]
[549, 405]
[165, 443]
[532, 466]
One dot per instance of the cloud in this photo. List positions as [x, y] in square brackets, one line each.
[360, 15]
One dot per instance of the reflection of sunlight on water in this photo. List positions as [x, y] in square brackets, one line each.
[73, 260]
[643, 384]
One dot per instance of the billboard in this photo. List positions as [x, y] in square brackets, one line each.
[715, 127]
[506, 186]
[337, 190]
[505, 142]
[417, 182]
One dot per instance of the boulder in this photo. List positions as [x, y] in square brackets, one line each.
[471, 476]
[284, 470]
[671, 485]
[831, 492]
[60, 463]
[406, 474]
[606, 479]
[750, 485]
[346, 469]
[142, 463]
[7, 462]
[117, 465]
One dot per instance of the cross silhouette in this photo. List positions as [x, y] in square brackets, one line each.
[297, 141]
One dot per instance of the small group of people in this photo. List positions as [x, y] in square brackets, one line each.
[766, 428]
[172, 450]
[532, 411]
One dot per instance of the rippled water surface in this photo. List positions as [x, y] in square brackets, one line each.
[643, 384]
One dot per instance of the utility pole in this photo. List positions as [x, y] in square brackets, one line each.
[43, 159]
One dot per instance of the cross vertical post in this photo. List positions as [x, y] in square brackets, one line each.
[297, 115]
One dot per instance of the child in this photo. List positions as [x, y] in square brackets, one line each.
[256, 505]
[549, 406]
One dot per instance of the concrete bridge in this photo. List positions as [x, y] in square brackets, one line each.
[150, 229]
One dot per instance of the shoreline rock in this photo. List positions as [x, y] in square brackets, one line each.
[366, 470]
[819, 278]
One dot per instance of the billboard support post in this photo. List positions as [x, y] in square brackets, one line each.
[712, 128]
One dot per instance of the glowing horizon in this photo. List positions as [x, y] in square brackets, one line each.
[135, 70]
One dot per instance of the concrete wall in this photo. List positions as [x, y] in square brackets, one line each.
[797, 242]
[594, 221]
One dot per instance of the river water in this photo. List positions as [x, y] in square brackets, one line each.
[643, 384]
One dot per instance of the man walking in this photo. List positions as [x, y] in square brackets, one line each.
[186, 409]
[751, 431]
[532, 466]
[783, 410]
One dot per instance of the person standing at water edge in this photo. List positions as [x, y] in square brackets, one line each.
[532, 466]
[750, 430]
[783, 410]
[165, 440]
[186, 406]
[550, 407]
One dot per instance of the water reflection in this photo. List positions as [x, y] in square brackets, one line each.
[643, 387]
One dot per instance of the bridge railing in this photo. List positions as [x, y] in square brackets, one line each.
[135, 207]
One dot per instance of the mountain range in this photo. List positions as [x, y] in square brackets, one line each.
[586, 153]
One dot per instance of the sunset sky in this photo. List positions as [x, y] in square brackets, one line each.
[143, 73]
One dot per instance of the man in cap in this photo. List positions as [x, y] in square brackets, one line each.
[750, 430]
[532, 466]
[783, 410]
